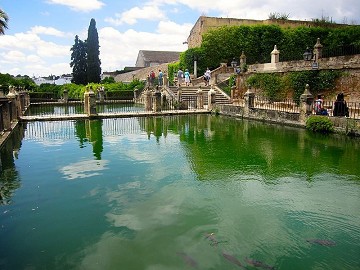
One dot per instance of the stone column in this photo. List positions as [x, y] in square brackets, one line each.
[249, 98]
[157, 100]
[148, 100]
[211, 98]
[306, 105]
[200, 99]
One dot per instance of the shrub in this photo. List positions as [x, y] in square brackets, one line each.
[320, 124]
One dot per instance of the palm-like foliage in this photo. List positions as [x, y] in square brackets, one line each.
[3, 22]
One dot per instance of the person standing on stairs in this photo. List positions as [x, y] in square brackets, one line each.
[187, 77]
[180, 76]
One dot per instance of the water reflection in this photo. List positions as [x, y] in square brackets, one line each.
[155, 187]
[9, 176]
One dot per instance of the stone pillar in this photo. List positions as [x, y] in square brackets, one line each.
[90, 102]
[86, 100]
[101, 92]
[15, 100]
[179, 94]
[148, 100]
[165, 80]
[157, 100]
[318, 50]
[242, 62]
[233, 93]
[195, 69]
[211, 98]
[6, 113]
[200, 99]
[136, 93]
[306, 105]
[275, 55]
[65, 96]
[249, 98]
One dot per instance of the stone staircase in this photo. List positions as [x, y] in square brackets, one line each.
[190, 91]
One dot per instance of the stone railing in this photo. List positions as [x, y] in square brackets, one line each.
[12, 106]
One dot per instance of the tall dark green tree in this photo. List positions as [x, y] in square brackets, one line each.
[93, 52]
[79, 61]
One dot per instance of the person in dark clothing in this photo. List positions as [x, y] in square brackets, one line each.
[340, 106]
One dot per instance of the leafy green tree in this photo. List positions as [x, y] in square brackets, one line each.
[79, 61]
[107, 80]
[3, 22]
[93, 52]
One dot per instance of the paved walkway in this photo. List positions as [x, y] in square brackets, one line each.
[108, 115]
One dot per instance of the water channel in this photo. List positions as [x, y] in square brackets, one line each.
[178, 192]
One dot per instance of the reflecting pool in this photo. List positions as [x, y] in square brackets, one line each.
[178, 192]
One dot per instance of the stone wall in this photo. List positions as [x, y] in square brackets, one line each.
[141, 74]
[341, 124]
[205, 24]
[349, 84]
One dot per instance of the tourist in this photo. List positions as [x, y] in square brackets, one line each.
[207, 76]
[319, 106]
[160, 77]
[187, 77]
[152, 78]
[340, 106]
[180, 76]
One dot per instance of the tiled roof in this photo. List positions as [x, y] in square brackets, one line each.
[160, 56]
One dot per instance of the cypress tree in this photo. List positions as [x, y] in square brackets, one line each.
[79, 62]
[93, 60]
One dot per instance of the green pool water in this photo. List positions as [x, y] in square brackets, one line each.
[178, 192]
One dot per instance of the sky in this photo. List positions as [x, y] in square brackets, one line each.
[42, 32]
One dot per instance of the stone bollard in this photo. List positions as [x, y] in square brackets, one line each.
[157, 100]
[306, 105]
[148, 100]
[200, 99]
[211, 98]
[249, 98]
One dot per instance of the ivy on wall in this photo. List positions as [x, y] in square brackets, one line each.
[278, 86]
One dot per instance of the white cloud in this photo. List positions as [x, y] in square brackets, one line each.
[51, 31]
[120, 49]
[153, 13]
[79, 5]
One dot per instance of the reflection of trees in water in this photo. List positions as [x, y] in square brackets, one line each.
[90, 131]
[218, 145]
[9, 177]
[9, 182]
